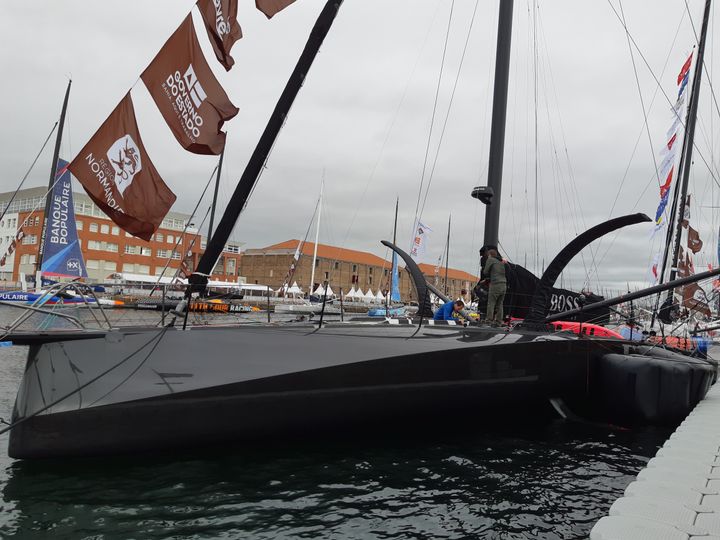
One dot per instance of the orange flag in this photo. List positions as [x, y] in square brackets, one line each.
[271, 7]
[117, 173]
[220, 18]
[187, 93]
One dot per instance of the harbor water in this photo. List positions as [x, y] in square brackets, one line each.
[552, 480]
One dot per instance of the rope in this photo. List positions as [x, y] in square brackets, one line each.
[157, 337]
[28, 172]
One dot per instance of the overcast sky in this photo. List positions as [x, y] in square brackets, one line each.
[363, 118]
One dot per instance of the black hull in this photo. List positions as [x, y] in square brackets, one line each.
[383, 380]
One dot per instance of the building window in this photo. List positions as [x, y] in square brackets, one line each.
[370, 269]
[171, 239]
[142, 269]
[163, 253]
[93, 227]
[369, 280]
[317, 263]
[385, 272]
[110, 246]
[128, 267]
[105, 229]
[110, 266]
[129, 250]
[37, 220]
[176, 255]
[160, 237]
[115, 231]
[93, 244]
[354, 268]
[327, 276]
[337, 265]
[29, 239]
[24, 259]
[146, 251]
[79, 225]
[93, 265]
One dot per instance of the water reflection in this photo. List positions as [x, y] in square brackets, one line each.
[550, 481]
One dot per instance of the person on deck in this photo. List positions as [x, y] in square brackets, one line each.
[494, 270]
[447, 310]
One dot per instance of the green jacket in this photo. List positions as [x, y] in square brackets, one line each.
[495, 270]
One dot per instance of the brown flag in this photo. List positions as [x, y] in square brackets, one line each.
[188, 94]
[694, 243]
[117, 173]
[271, 7]
[220, 18]
[694, 298]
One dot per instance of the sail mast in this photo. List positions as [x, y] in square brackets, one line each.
[393, 259]
[51, 182]
[688, 143]
[317, 235]
[497, 136]
[262, 150]
[215, 194]
[447, 256]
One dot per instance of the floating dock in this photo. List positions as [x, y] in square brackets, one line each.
[677, 495]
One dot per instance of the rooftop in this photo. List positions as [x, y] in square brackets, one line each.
[350, 255]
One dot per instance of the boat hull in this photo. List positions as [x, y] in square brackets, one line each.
[257, 384]
[147, 389]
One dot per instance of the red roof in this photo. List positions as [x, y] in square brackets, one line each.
[360, 257]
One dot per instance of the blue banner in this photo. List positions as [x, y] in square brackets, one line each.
[62, 255]
[395, 283]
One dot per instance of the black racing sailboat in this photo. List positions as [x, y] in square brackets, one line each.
[141, 389]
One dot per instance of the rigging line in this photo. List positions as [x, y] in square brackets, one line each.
[432, 118]
[157, 337]
[705, 69]
[447, 114]
[632, 155]
[392, 124]
[187, 224]
[642, 101]
[28, 171]
[535, 101]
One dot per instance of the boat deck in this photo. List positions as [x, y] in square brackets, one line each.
[677, 495]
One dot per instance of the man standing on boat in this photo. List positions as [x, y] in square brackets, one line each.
[449, 310]
[494, 270]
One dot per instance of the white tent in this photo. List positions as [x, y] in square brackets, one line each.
[294, 290]
[369, 296]
[321, 290]
[351, 294]
[379, 296]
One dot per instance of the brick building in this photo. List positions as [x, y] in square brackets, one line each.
[342, 268]
[106, 248]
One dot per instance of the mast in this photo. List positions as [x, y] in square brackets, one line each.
[51, 182]
[262, 150]
[688, 143]
[215, 194]
[497, 135]
[447, 256]
[393, 259]
[317, 235]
